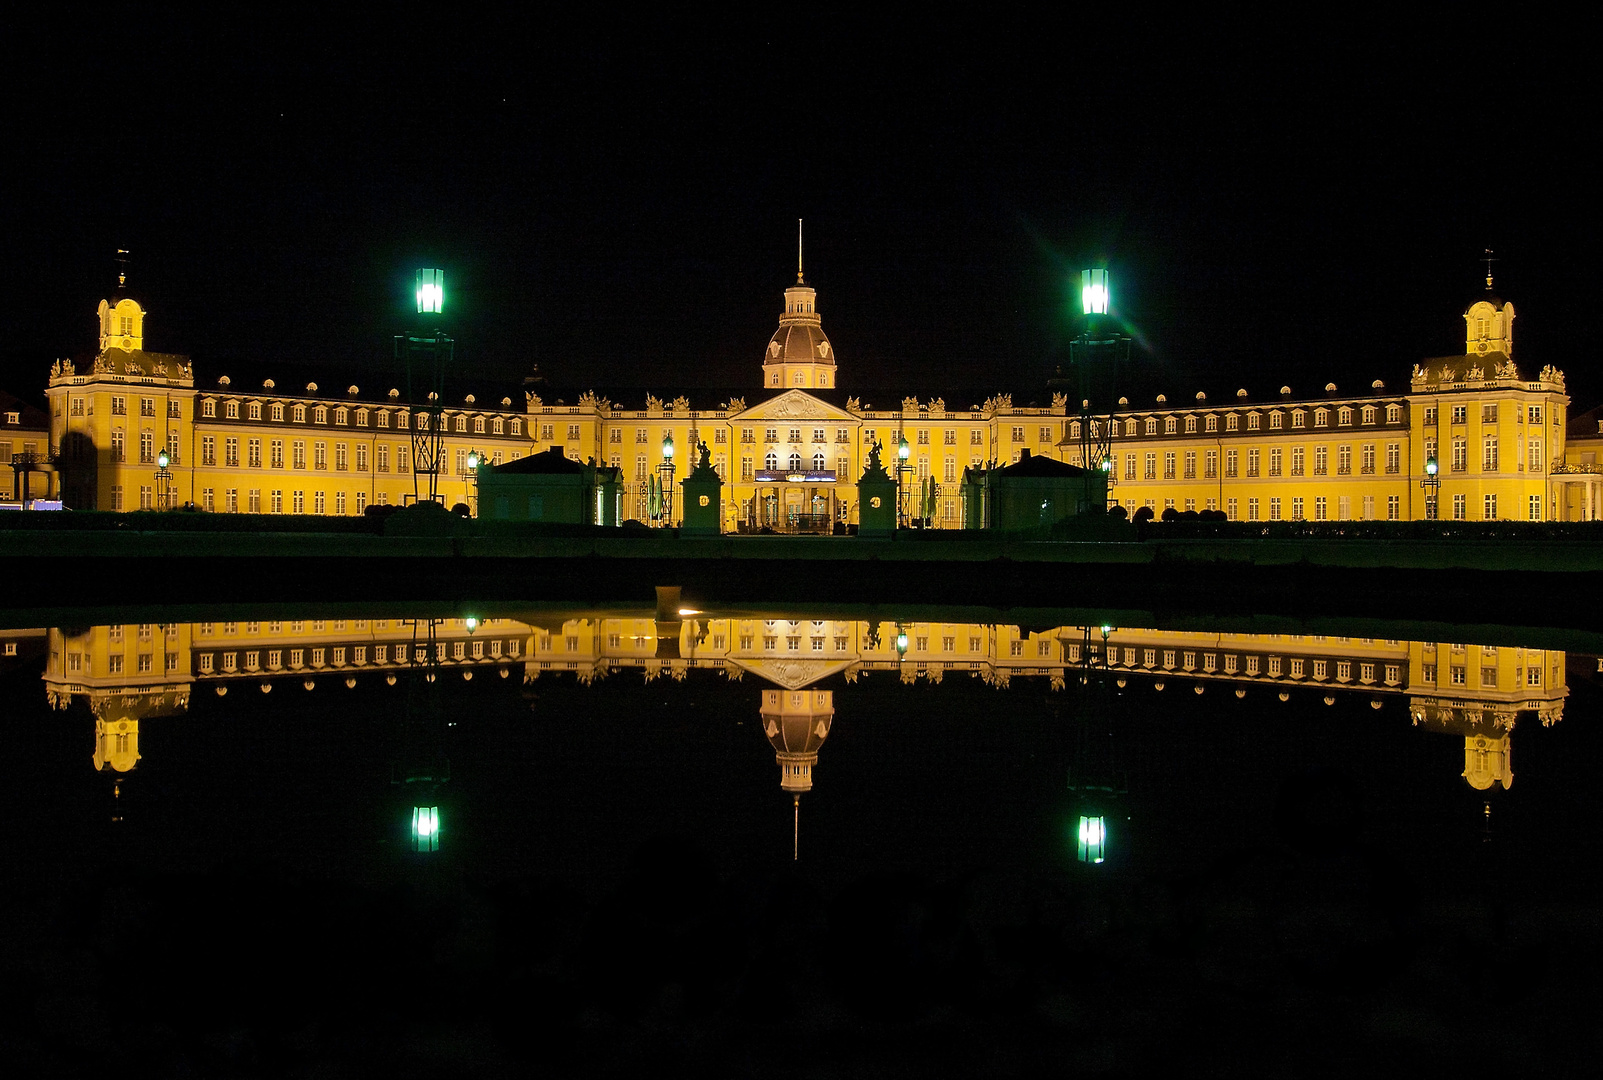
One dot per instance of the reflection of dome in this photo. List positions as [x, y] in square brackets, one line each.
[116, 744]
[1488, 761]
[797, 723]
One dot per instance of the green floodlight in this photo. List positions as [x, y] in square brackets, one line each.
[473, 460]
[425, 828]
[472, 623]
[1431, 467]
[430, 292]
[901, 640]
[1095, 292]
[1107, 465]
[1093, 839]
[902, 451]
[667, 447]
[162, 459]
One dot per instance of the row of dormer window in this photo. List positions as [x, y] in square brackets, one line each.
[343, 416]
[1254, 421]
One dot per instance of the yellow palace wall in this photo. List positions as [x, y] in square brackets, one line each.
[1497, 435]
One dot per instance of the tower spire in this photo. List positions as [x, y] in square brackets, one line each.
[799, 251]
[1488, 260]
[122, 267]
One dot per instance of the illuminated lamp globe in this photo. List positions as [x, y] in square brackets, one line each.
[1431, 468]
[902, 451]
[667, 448]
[1092, 839]
[430, 292]
[162, 459]
[1095, 292]
[473, 460]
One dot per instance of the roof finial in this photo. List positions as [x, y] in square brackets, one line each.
[795, 834]
[122, 266]
[1488, 260]
[798, 251]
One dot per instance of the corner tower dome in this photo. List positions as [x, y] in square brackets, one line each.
[799, 355]
[1489, 323]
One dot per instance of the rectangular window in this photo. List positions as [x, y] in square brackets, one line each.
[1152, 467]
[361, 458]
[1394, 507]
[1274, 461]
[116, 496]
[1231, 459]
[1297, 460]
[339, 503]
[1230, 509]
[1252, 509]
[1274, 509]
[277, 454]
[208, 450]
[255, 453]
[1489, 508]
[339, 457]
[1394, 459]
[1536, 508]
[1191, 465]
[1296, 508]
[1319, 508]
[1459, 507]
[1168, 465]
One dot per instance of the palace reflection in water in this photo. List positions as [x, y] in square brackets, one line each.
[130, 674]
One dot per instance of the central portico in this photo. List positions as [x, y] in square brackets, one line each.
[800, 456]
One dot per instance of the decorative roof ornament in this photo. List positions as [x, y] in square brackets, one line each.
[1475, 374]
[1060, 401]
[1553, 375]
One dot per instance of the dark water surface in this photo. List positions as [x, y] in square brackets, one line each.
[764, 843]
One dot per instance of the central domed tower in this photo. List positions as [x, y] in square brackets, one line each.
[799, 355]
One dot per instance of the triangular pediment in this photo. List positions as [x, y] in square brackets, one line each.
[796, 405]
[793, 674]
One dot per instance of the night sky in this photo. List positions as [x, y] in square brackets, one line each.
[1278, 205]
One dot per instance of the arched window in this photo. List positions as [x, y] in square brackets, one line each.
[818, 462]
[1152, 426]
[771, 462]
[1169, 425]
[1129, 427]
[795, 463]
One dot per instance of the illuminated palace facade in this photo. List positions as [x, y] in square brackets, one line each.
[794, 456]
[130, 673]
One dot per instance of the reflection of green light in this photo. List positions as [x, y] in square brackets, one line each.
[425, 828]
[1093, 839]
[472, 623]
[901, 641]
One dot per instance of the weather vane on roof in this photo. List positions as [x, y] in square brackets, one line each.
[122, 267]
[1488, 260]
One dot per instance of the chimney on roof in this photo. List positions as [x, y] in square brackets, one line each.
[1024, 455]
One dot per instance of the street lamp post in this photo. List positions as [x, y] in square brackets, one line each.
[164, 481]
[901, 487]
[1432, 485]
[474, 458]
[1106, 350]
[666, 470]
